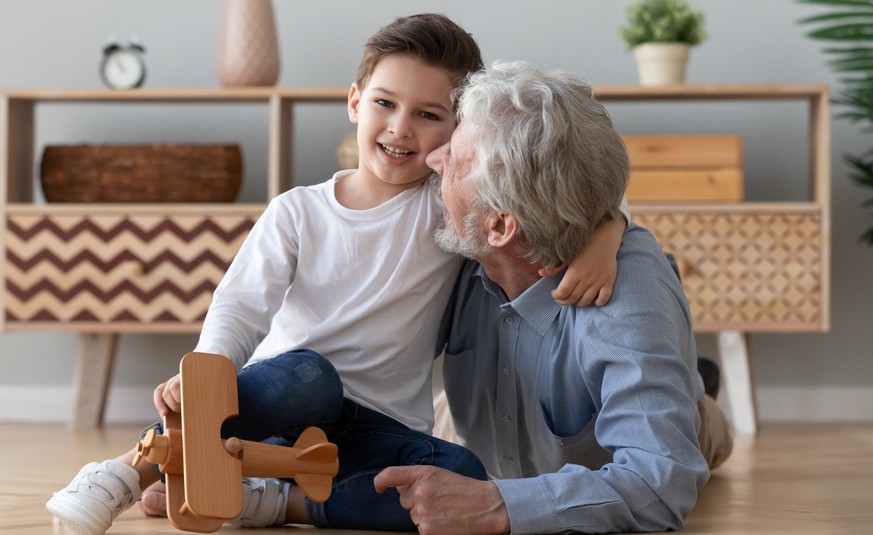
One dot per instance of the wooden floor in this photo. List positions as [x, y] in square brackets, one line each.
[793, 479]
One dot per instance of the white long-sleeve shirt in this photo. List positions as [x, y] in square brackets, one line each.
[364, 288]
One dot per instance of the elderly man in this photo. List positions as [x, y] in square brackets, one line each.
[589, 419]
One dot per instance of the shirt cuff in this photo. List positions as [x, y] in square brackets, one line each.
[529, 506]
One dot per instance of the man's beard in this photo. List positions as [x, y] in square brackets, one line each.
[471, 244]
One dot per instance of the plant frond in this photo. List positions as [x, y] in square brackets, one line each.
[844, 32]
[854, 117]
[858, 3]
[829, 17]
[861, 51]
[851, 64]
[857, 84]
[850, 22]
[866, 55]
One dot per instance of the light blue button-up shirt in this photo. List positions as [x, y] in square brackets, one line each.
[586, 417]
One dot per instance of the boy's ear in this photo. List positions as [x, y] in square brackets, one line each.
[502, 229]
[353, 103]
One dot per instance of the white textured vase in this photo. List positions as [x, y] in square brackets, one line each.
[662, 63]
[248, 47]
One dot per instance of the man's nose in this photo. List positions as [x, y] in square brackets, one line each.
[435, 159]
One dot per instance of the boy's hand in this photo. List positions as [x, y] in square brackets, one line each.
[596, 289]
[591, 275]
[168, 396]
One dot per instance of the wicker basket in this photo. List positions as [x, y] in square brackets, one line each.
[141, 173]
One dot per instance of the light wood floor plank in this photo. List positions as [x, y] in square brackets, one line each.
[790, 478]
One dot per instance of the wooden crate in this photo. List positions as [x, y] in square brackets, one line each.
[685, 168]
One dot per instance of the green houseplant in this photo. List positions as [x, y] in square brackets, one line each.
[660, 33]
[848, 24]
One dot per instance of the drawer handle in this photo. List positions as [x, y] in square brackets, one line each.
[686, 269]
[134, 268]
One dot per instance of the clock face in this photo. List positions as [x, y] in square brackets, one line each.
[122, 69]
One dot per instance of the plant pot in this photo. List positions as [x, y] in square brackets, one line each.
[661, 63]
[248, 46]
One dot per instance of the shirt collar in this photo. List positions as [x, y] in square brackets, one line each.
[536, 305]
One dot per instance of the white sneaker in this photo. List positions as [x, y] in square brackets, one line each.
[264, 503]
[95, 497]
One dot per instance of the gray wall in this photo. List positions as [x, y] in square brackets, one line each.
[56, 44]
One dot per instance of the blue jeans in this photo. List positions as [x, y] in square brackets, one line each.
[282, 396]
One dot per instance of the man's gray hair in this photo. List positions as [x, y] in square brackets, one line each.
[546, 153]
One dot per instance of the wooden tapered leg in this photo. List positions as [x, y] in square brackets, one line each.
[91, 380]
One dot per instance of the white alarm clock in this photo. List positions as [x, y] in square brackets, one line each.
[123, 67]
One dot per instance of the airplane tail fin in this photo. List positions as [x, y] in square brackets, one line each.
[314, 448]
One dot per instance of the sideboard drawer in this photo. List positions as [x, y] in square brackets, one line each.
[139, 269]
[749, 270]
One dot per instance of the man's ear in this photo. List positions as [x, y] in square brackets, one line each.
[502, 229]
[353, 103]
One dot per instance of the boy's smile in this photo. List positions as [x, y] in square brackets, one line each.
[403, 113]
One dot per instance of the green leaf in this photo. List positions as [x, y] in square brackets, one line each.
[835, 16]
[854, 51]
[831, 3]
[844, 32]
[851, 65]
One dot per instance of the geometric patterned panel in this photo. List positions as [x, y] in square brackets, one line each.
[747, 271]
[112, 272]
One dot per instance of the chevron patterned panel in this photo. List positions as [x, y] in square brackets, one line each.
[109, 271]
[749, 271]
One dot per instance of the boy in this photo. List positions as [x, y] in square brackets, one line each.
[348, 270]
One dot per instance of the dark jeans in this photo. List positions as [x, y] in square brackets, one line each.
[282, 396]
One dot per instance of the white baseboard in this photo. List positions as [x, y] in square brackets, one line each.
[815, 404]
[134, 404]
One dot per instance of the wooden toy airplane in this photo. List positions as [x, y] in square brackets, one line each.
[204, 472]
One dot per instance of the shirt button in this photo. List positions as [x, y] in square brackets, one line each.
[510, 321]
[505, 370]
[508, 459]
[506, 418]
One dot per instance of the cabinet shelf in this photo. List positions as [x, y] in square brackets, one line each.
[735, 298]
[102, 269]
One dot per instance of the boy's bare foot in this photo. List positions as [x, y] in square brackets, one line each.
[154, 500]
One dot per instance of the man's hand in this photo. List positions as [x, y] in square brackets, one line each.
[441, 502]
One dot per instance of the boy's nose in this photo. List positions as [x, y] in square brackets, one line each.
[400, 127]
[435, 159]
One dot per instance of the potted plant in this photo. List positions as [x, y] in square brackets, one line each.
[849, 25]
[661, 33]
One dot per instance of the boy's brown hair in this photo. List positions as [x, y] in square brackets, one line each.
[430, 37]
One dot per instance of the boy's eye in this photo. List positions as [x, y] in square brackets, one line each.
[430, 116]
[383, 102]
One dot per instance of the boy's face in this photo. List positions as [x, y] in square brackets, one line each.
[403, 113]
